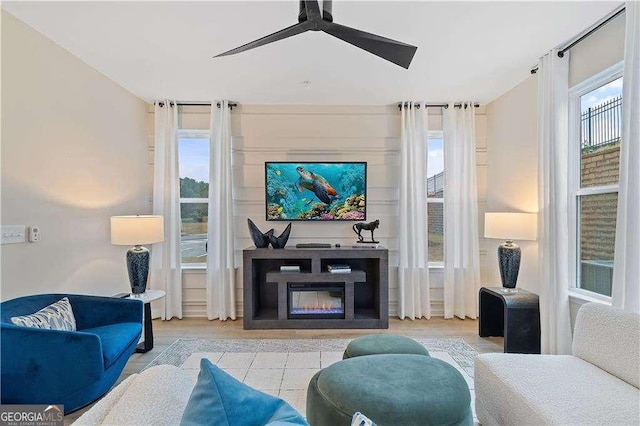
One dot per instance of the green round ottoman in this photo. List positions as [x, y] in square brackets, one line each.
[391, 390]
[378, 344]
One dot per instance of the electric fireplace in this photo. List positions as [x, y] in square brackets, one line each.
[315, 301]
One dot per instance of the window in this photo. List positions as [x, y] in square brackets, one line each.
[435, 199]
[193, 154]
[594, 150]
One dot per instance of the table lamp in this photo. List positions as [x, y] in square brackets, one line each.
[509, 227]
[135, 231]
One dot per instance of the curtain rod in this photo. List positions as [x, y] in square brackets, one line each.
[585, 35]
[231, 104]
[445, 106]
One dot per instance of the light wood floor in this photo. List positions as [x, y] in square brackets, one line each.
[167, 332]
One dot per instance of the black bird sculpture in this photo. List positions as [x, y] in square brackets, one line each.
[262, 240]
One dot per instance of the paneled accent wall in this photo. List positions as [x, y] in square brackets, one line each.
[319, 133]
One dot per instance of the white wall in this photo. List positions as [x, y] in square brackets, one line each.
[512, 152]
[319, 133]
[73, 154]
[512, 145]
[598, 52]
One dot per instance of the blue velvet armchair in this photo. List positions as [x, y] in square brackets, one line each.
[73, 368]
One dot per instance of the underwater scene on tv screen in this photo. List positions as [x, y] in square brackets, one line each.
[316, 191]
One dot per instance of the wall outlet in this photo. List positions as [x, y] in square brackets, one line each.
[13, 234]
[34, 234]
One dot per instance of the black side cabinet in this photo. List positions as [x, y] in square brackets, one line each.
[513, 314]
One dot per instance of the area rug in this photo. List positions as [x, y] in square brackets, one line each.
[181, 349]
[284, 367]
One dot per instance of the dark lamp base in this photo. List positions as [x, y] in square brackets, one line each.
[509, 262]
[138, 267]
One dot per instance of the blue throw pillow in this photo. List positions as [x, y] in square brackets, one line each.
[219, 399]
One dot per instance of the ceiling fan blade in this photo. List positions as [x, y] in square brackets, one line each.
[280, 35]
[393, 51]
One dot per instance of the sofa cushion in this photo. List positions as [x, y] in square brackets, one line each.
[219, 399]
[115, 338]
[550, 389]
[610, 339]
[57, 316]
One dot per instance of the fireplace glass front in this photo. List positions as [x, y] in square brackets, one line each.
[316, 301]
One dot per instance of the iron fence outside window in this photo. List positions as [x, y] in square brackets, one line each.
[601, 125]
[435, 185]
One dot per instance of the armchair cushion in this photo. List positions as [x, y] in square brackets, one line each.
[115, 338]
[57, 316]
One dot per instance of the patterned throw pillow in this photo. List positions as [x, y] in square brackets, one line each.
[57, 316]
[360, 419]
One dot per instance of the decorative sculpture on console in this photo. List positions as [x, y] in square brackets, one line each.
[281, 241]
[259, 239]
[262, 240]
[371, 226]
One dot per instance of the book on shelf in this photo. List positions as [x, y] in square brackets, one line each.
[289, 268]
[338, 268]
[366, 246]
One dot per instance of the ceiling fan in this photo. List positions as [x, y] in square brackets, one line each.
[311, 19]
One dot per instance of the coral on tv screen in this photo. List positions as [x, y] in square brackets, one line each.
[316, 191]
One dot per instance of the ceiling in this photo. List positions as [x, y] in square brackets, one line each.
[466, 50]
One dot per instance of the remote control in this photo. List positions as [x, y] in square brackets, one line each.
[313, 245]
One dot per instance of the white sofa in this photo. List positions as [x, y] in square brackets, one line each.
[157, 396]
[597, 385]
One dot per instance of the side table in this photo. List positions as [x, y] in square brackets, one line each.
[514, 314]
[147, 297]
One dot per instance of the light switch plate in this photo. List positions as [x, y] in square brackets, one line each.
[13, 234]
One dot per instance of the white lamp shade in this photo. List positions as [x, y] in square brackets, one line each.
[511, 226]
[136, 230]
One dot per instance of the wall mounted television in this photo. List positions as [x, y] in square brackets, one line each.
[316, 191]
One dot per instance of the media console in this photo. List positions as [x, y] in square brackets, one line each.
[315, 297]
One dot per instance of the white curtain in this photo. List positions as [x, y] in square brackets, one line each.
[461, 247]
[553, 219]
[413, 262]
[626, 269]
[166, 268]
[221, 297]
